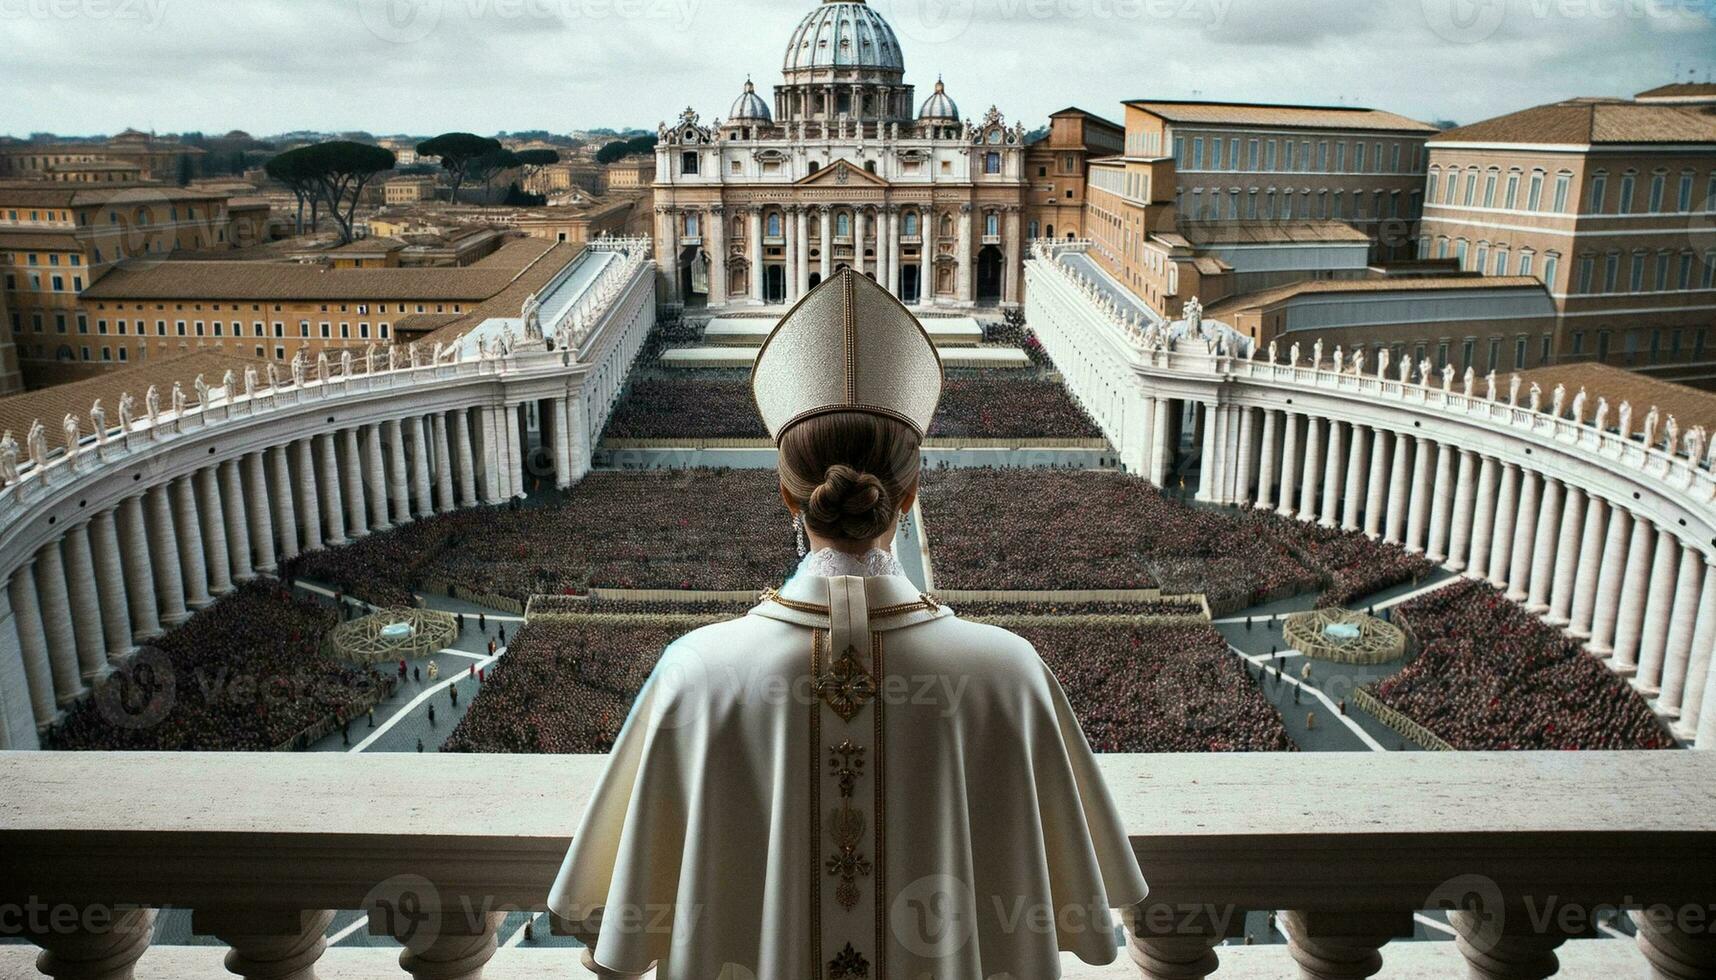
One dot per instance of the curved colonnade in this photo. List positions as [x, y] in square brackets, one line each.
[108, 546]
[1604, 531]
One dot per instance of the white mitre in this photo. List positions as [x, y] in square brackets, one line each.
[887, 364]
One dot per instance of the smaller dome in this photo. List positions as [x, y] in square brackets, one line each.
[749, 107]
[939, 106]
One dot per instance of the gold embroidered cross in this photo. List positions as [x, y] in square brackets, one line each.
[846, 686]
[846, 761]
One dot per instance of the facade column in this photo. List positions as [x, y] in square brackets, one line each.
[139, 571]
[193, 558]
[824, 242]
[1394, 531]
[1441, 506]
[1507, 513]
[333, 501]
[421, 506]
[895, 276]
[351, 460]
[1659, 607]
[1160, 451]
[110, 586]
[1698, 693]
[1313, 471]
[463, 457]
[285, 509]
[164, 556]
[309, 502]
[233, 506]
[1524, 534]
[1332, 485]
[1483, 522]
[1289, 464]
[85, 607]
[1266, 463]
[1590, 566]
[800, 252]
[716, 247]
[1543, 549]
[1682, 625]
[1418, 509]
[57, 624]
[444, 465]
[1635, 589]
[33, 643]
[1567, 558]
[1014, 258]
[1465, 502]
[967, 292]
[667, 251]
[754, 243]
[375, 479]
[860, 228]
[1247, 456]
[398, 483]
[1353, 496]
[213, 516]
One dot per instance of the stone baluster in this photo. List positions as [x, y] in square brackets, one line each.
[1682, 624]
[309, 502]
[259, 510]
[1311, 477]
[1591, 557]
[85, 607]
[164, 552]
[282, 498]
[465, 459]
[351, 461]
[333, 501]
[89, 952]
[110, 586]
[1673, 952]
[1266, 464]
[444, 465]
[139, 571]
[1545, 541]
[416, 433]
[375, 479]
[33, 642]
[454, 951]
[1418, 511]
[1659, 607]
[1399, 484]
[1465, 502]
[398, 483]
[1506, 947]
[1441, 505]
[236, 508]
[1507, 515]
[1524, 534]
[1289, 464]
[1341, 945]
[1483, 522]
[193, 557]
[1333, 458]
[1635, 591]
[1354, 497]
[1167, 944]
[213, 517]
[268, 944]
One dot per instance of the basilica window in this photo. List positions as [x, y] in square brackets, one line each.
[992, 224]
[688, 163]
[909, 225]
[992, 163]
[774, 225]
[843, 225]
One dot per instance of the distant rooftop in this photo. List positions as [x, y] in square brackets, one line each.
[1206, 233]
[1268, 297]
[1286, 116]
[1592, 122]
[1689, 406]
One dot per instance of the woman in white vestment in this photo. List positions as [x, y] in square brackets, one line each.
[850, 781]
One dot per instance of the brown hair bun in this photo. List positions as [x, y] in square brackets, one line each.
[849, 505]
[848, 473]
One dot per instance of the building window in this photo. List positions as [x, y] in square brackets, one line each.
[1563, 187]
[1534, 192]
[992, 163]
[1551, 264]
[1658, 187]
[1599, 193]
[1611, 272]
[1578, 342]
[688, 164]
[1519, 354]
[1625, 204]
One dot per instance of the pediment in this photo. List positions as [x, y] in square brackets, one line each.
[841, 173]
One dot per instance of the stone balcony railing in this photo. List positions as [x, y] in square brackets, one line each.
[1525, 851]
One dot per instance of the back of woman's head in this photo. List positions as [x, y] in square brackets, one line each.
[849, 472]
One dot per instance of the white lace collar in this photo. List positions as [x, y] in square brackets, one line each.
[831, 563]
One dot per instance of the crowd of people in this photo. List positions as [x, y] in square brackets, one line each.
[250, 673]
[1490, 676]
[385, 569]
[1131, 609]
[1352, 565]
[977, 405]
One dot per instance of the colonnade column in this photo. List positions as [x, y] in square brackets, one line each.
[333, 502]
[577, 438]
[1313, 472]
[1289, 464]
[1483, 521]
[1441, 505]
[1634, 591]
[1682, 626]
[443, 465]
[1394, 532]
[493, 444]
[1659, 607]
[1160, 451]
[164, 556]
[1698, 672]
[1543, 552]
[234, 506]
[1376, 488]
[398, 484]
[213, 516]
[1567, 559]
[1507, 513]
[754, 243]
[33, 642]
[285, 516]
[352, 460]
[1266, 464]
[85, 609]
[463, 456]
[192, 558]
[515, 449]
[1591, 559]
[1332, 460]
[110, 586]
[1209, 467]
[375, 478]
[1465, 502]
[309, 503]
[1358, 459]
[421, 505]
[57, 624]
[1247, 456]
[1418, 508]
[140, 584]
[1524, 534]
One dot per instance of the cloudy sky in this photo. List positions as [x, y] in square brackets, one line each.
[424, 66]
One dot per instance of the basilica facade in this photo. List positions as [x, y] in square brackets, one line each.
[843, 168]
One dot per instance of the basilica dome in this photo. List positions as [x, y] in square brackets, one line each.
[749, 106]
[939, 107]
[843, 34]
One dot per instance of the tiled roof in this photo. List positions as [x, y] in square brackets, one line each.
[1269, 297]
[1587, 122]
[1680, 90]
[1206, 233]
[1689, 406]
[52, 194]
[17, 412]
[58, 241]
[509, 301]
[282, 281]
[1288, 116]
